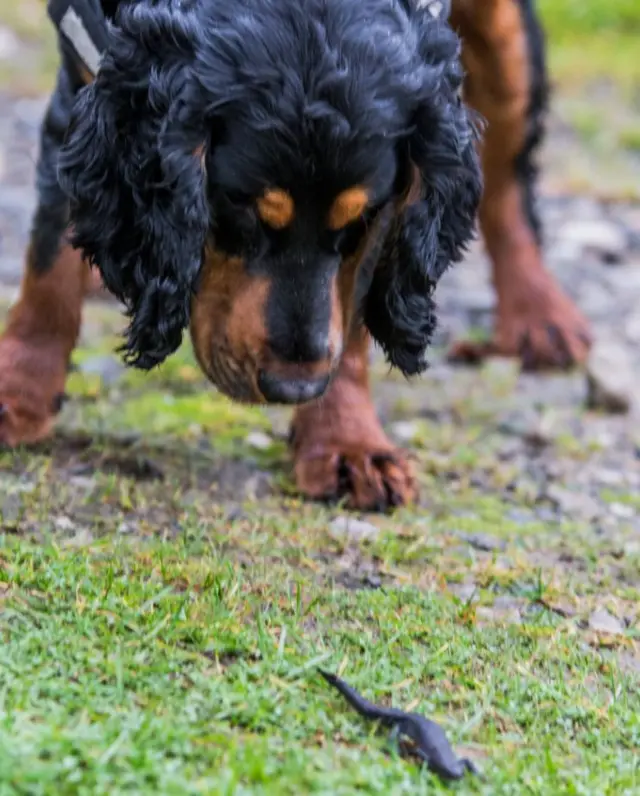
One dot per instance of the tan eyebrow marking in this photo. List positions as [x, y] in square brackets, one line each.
[348, 206]
[276, 208]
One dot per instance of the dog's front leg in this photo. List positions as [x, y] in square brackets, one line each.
[340, 449]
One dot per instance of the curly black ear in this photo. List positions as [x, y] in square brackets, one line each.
[433, 232]
[132, 168]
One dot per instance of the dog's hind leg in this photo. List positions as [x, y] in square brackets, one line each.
[43, 325]
[503, 54]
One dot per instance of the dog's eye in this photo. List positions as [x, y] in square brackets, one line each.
[344, 242]
[239, 200]
[334, 241]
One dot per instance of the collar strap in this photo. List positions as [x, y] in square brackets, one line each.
[83, 30]
[439, 9]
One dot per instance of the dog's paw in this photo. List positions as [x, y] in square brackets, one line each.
[366, 476]
[21, 426]
[537, 324]
[31, 392]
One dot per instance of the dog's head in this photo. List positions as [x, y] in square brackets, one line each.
[267, 173]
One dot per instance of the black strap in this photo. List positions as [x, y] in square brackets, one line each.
[82, 27]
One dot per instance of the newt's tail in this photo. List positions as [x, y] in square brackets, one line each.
[362, 705]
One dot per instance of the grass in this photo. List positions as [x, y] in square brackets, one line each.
[629, 138]
[593, 39]
[33, 71]
[170, 670]
[160, 628]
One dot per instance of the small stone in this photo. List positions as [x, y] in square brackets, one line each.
[629, 663]
[257, 486]
[404, 431]
[511, 448]
[610, 477]
[11, 510]
[64, 524]
[543, 430]
[83, 538]
[601, 621]
[519, 423]
[574, 504]
[259, 440]
[561, 606]
[83, 482]
[353, 530]
[508, 615]
[236, 514]
[611, 382]
[10, 485]
[622, 511]
[125, 528]
[520, 516]
[545, 514]
[373, 580]
[465, 592]
[482, 541]
[191, 498]
[108, 368]
[605, 239]
[632, 548]
[506, 602]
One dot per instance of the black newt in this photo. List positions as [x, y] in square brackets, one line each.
[428, 739]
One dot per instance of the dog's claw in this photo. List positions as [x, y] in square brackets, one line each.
[370, 481]
[28, 392]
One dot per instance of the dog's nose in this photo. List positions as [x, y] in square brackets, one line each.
[281, 390]
[301, 346]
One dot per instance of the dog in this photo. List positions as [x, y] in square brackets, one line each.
[287, 180]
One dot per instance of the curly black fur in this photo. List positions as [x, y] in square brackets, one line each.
[525, 164]
[138, 200]
[430, 235]
[200, 104]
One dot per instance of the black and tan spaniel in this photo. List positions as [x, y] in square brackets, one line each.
[286, 178]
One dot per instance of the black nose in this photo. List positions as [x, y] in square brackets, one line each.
[301, 345]
[277, 390]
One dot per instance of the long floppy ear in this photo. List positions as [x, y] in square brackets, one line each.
[432, 232]
[132, 168]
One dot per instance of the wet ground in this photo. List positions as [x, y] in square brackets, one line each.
[528, 438]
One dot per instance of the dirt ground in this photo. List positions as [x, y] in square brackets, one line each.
[572, 464]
